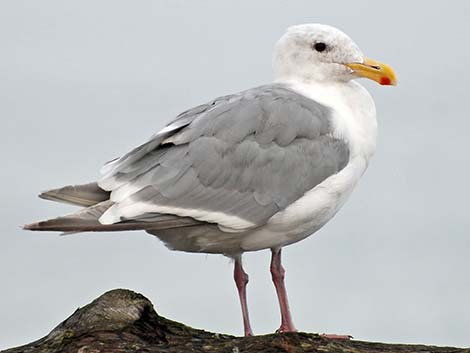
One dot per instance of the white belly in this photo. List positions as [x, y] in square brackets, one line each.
[309, 213]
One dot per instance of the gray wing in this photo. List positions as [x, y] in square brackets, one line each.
[235, 162]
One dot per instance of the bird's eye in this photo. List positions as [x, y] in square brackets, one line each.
[320, 46]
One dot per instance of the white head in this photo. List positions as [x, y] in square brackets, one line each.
[321, 53]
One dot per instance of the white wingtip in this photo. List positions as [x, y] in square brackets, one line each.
[110, 216]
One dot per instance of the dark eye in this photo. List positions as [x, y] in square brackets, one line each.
[320, 46]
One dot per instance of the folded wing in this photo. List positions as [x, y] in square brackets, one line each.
[235, 161]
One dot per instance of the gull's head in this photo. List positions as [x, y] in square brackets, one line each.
[321, 53]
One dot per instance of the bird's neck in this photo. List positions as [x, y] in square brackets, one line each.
[354, 114]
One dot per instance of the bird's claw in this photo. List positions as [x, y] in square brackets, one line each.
[284, 329]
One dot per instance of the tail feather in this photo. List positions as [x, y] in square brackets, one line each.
[86, 220]
[81, 195]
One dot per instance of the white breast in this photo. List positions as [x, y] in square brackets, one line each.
[354, 120]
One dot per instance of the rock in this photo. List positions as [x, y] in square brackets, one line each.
[124, 321]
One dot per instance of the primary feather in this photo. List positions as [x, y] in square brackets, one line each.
[81, 195]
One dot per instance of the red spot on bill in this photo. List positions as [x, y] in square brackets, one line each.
[385, 81]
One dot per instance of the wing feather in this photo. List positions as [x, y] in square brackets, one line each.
[235, 161]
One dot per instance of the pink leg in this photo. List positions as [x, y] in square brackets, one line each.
[241, 279]
[278, 273]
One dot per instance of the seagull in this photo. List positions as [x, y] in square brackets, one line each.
[260, 169]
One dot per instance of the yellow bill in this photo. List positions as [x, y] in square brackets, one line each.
[374, 70]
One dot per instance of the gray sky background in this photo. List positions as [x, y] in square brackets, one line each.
[84, 81]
